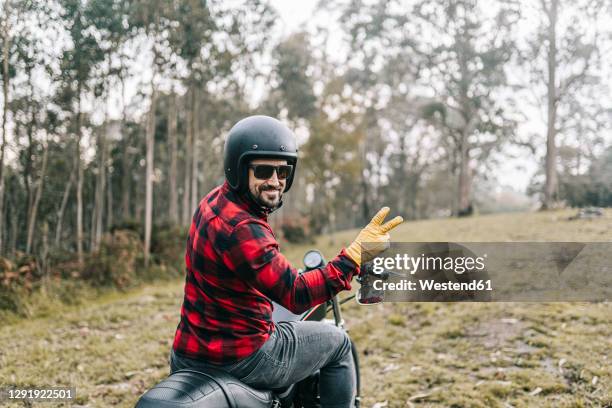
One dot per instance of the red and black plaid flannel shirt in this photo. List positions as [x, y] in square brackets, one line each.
[234, 271]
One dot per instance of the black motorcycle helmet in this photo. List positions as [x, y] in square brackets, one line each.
[257, 137]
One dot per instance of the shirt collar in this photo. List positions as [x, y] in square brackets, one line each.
[245, 201]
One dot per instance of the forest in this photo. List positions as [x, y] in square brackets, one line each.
[114, 114]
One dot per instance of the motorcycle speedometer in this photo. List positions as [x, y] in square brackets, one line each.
[313, 259]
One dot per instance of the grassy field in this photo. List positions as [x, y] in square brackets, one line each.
[412, 354]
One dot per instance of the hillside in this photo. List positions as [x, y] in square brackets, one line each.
[412, 354]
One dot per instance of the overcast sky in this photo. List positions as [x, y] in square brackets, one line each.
[294, 15]
[516, 173]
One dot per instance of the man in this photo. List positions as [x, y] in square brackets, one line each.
[235, 271]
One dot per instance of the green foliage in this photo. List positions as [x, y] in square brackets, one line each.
[78, 62]
[591, 188]
[12, 297]
[115, 262]
[386, 126]
[168, 247]
[583, 192]
[297, 232]
[129, 224]
[430, 110]
[294, 91]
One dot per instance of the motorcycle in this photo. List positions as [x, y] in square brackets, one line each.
[189, 388]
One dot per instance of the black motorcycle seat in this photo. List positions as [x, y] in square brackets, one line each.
[189, 388]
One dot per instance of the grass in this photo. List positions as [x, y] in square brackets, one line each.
[114, 347]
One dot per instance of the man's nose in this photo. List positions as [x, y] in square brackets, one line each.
[274, 178]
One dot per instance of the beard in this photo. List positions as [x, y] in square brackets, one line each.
[267, 196]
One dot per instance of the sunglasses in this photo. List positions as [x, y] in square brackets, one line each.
[265, 171]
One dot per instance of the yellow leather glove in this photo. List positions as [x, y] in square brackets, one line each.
[376, 237]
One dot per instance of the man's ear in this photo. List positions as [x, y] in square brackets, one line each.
[245, 182]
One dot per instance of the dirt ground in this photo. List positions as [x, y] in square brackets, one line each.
[412, 354]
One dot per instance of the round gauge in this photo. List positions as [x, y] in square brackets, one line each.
[313, 259]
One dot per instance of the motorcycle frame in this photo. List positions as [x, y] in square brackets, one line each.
[319, 312]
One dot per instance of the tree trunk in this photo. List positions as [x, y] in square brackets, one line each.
[27, 171]
[12, 240]
[100, 183]
[79, 186]
[44, 253]
[102, 188]
[125, 180]
[28, 168]
[401, 185]
[109, 198]
[195, 128]
[465, 180]
[412, 194]
[5, 94]
[550, 189]
[96, 230]
[125, 158]
[60, 212]
[188, 155]
[332, 224]
[94, 216]
[172, 141]
[150, 143]
[469, 114]
[34, 210]
[365, 193]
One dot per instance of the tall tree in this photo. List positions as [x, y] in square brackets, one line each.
[6, 45]
[24, 57]
[292, 89]
[35, 204]
[191, 40]
[382, 61]
[173, 170]
[110, 19]
[292, 97]
[150, 148]
[467, 55]
[217, 43]
[188, 154]
[157, 18]
[77, 64]
[563, 56]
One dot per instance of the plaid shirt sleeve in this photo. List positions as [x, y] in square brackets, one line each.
[254, 256]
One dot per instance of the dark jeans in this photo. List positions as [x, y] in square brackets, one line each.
[294, 351]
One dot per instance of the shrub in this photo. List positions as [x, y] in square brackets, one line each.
[297, 231]
[115, 262]
[294, 233]
[17, 279]
[131, 225]
[22, 272]
[168, 246]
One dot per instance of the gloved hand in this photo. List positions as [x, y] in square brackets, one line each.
[375, 236]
